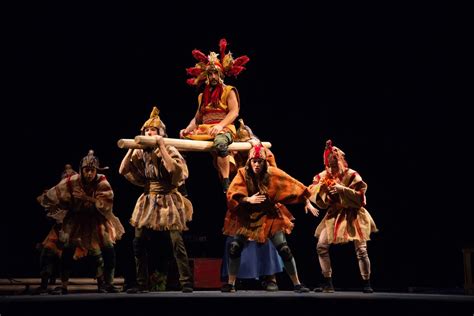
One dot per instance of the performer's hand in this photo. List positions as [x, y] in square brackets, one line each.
[183, 133]
[311, 208]
[256, 198]
[137, 154]
[324, 187]
[216, 129]
[336, 188]
[159, 140]
[81, 195]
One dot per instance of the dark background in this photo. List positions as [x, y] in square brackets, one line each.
[385, 82]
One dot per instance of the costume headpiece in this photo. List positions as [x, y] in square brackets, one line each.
[244, 133]
[90, 161]
[332, 151]
[226, 65]
[153, 121]
[257, 152]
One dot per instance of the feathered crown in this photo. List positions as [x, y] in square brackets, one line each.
[226, 65]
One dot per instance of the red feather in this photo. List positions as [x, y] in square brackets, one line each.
[235, 70]
[222, 47]
[191, 82]
[194, 71]
[242, 60]
[199, 55]
[258, 149]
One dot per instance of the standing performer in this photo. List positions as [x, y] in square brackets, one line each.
[89, 226]
[255, 203]
[341, 191]
[161, 208]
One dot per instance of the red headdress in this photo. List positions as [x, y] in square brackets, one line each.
[225, 66]
[258, 152]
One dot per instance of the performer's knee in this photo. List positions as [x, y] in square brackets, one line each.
[322, 249]
[235, 249]
[221, 145]
[222, 150]
[362, 252]
[285, 252]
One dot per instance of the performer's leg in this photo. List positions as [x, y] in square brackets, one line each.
[279, 241]
[235, 251]
[322, 249]
[141, 261]
[182, 261]
[364, 264]
[221, 145]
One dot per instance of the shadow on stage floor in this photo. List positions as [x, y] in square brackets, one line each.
[240, 303]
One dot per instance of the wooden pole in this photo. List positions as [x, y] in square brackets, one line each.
[129, 144]
[181, 144]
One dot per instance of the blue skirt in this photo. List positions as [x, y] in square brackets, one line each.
[257, 260]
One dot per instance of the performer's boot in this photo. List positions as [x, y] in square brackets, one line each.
[366, 286]
[326, 287]
[142, 276]
[300, 288]
[108, 253]
[43, 288]
[106, 287]
[60, 290]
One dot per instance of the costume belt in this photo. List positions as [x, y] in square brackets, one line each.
[159, 188]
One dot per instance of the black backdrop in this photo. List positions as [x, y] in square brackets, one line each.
[384, 82]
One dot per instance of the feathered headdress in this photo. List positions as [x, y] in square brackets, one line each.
[226, 65]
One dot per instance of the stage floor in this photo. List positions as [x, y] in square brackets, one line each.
[239, 303]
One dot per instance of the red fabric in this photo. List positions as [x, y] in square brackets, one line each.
[212, 97]
[256, 153]
[327, 151]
